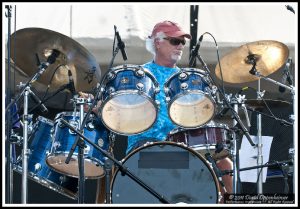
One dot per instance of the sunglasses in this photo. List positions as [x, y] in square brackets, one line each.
[175, 41]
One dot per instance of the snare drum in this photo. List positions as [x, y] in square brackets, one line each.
[129, 105]
[212, 137]
[174, 171]
[63, 140]
[190, 98]
[37, 167]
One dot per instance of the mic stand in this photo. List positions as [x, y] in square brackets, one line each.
[122, 168]
[98, 95]
[8, 145]
[292, 117]
[238, 120]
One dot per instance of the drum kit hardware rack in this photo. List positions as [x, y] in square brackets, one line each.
[59, 158]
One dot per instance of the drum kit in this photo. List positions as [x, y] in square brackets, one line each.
[128, 106]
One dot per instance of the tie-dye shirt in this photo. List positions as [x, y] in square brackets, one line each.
[163, 125]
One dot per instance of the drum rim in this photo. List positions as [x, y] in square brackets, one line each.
[49, 184]
[67, 113]
[181, 145]
[119, 68]
[206, 125]
[125, 133]
[65, 154]
[181, 71]
[44, 119]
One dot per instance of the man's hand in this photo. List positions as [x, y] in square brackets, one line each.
[89, 97]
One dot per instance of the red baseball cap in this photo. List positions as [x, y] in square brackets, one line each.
[170, 28]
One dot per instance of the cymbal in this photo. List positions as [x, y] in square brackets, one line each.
[32, 46]
[255, 103]
[269, 57]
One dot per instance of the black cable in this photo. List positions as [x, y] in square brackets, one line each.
[267, 106]
[218, 57]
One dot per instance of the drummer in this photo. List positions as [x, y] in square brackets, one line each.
[166, 43]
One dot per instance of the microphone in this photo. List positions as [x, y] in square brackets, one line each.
[71, 83]
[121, 44]
[290, 8]
[195, 51]
[51, 59]
[37, 100]
[286, 77]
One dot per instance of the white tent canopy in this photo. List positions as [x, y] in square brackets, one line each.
[92, 26]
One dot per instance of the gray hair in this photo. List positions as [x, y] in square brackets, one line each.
[150, 46]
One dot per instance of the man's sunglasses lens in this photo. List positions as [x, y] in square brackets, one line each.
[175, 42]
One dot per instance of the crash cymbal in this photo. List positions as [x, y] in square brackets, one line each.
[269, 57]
[32, 46]
[255, 103]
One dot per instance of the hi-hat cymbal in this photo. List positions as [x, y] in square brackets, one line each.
[259, 104]
[32, 46]
[269, 57]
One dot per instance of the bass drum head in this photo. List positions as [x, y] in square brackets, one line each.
[174, 171]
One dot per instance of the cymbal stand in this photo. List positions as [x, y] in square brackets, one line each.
[235, 118]
[253, 71]
[80, 143]
[237, 101]
[26, 151]
[26, 91]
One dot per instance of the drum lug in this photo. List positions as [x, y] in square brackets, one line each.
[184, 86]
[182, 76]
[100, 142]
[168, 99]
[140, 86]
[111, 90]
[166, 89]
[208, 91]
[37, 167]
[86, 149]
[111, 76]
[158, 103]
[56, 145]
[90, 126]
[62, 179]
[156, 90]
[214, 89]
[140, 73]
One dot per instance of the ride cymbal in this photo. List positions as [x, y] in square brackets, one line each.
[268, 55]
[32, 46]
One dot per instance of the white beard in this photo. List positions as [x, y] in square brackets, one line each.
[176, 57]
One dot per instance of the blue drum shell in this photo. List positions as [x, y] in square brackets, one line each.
[195, 82]
[126, 81]
[66, 138]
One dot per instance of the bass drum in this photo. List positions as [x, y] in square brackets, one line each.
[174, 171]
